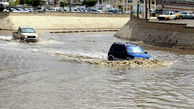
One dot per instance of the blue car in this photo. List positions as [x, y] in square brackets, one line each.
[126, 51]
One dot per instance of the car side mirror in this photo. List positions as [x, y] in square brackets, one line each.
[146, 52]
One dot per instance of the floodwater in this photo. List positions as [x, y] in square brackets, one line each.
[70, 71]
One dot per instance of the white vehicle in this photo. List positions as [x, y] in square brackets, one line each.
[6, 10]
[20, 9]
[75, 10]
[14, 10]
[26, 34]
[26, 10]
[186, 15]
[168, 15]
[127, 12]
[3, 4]
[40, 9]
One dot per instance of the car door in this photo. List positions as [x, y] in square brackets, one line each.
[120, 52]
[183, 15]
[172, 16]
[123, 52]
[18, 35]
[190, 15]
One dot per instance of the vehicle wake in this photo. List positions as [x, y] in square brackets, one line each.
[122, 64]
[6, 38]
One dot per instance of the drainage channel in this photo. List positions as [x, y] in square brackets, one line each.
[81, 31]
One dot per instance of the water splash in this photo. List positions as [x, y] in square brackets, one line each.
[6, 38]
[135, 63]
[48, 41]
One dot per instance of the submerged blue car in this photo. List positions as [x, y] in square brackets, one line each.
[126, 51]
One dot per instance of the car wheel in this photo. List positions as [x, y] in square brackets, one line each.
[14, 38]
[128, 58]
[21, 38]
[110, 58]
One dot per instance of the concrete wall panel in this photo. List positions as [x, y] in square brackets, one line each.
[159, 34]
[48, 21]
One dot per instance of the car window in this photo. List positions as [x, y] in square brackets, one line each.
[116, 48]
[119, 48]
[27, 30]
[122, 48]
[135, 49]
[112, 47]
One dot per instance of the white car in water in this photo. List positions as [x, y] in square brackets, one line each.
[26, 34]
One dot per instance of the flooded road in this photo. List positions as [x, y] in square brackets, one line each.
[58, 73]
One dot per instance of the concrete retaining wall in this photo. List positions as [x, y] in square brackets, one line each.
[62, 21]
[159, 34]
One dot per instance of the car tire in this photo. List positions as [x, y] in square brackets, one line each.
[129, 58]
[14, 37]
[110, 58]
[22, 39]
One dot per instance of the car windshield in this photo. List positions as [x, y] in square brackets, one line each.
[168, 13]
[135, 49]
[28, 30]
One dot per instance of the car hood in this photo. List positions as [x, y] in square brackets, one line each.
[29, 34]
[136, 55]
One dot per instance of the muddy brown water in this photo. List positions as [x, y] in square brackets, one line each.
[70, 71]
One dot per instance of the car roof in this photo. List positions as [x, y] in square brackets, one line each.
[25, 27]
[126, 44]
